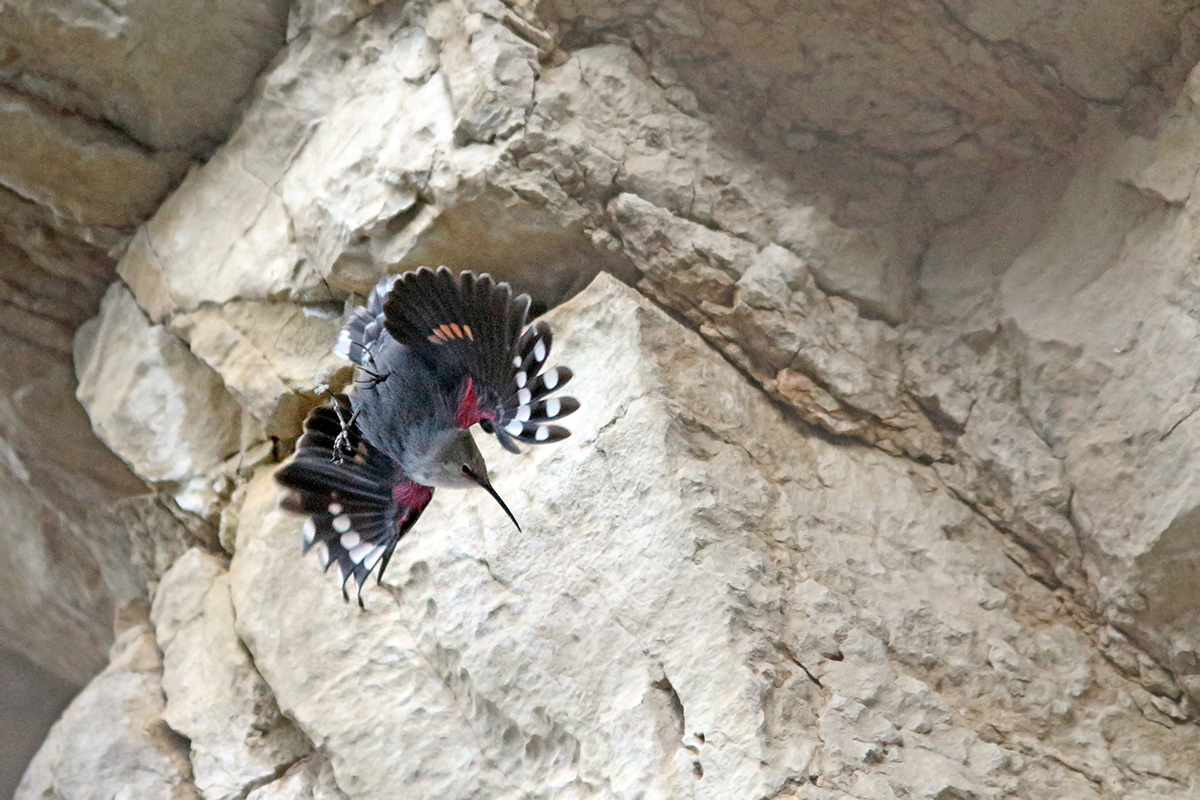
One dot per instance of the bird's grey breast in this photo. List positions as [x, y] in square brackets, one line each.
[401, 408]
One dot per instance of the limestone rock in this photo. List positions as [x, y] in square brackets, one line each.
[103, 108]
[310, 778]
[270, 356]
[214, 695]
[154, 403]
[917, 231]
[601, 121]
[838, 95]
[704, 602]
[99, 178]
[82, 533]
[1104, 320]
[344, 165]
[111, 740]
[490, 71]
[169, 73]
[763, 304]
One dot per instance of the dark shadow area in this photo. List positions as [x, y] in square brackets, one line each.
[30, 701]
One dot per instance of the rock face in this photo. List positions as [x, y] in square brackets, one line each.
[884, 324]
[739, 614]
[103, 109]
[214, 695]
[111, 741]
[147, 400]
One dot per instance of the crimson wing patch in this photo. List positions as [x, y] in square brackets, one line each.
[357, 500]
[475, 328]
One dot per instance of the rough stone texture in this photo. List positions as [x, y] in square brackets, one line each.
[214, 695]
[270, 356]
[103, 106]
[100, 177]
[912, 515]
[326, 182]
[1107, 357]
[168, 73]
[310, 778]
[750, 609]
[908, 112]
[111, 740]
[81, 532]
[154, 403]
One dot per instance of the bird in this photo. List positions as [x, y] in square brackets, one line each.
[434, 355]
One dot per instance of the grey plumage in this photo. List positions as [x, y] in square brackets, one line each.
[435, 356]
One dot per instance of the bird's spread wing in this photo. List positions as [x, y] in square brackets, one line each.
[358, 502]
[363, 327]
[472, 330]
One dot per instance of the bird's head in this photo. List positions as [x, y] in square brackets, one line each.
[460, 465]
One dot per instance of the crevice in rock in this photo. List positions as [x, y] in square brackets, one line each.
[673, 702]
[274, 776]
[791, 655]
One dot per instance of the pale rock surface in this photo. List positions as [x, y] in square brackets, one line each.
[214, 695]
[31, 699]
[844, 98]
[977, 397]
[764, 303]
[103, 106]
[705, 602]
[348, 162]
[601, 121]
[264, 353]
[310, 778]
[111, 741]
[156, 405]
[1107, 334]
[995, 598]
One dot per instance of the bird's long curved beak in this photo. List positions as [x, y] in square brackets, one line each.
[483, 481]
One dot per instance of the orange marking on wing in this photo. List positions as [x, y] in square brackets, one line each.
[470, 335]
[435, 339]
[457, 330]
[446, 332]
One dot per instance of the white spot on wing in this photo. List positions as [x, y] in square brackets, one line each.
[373, 557]
[350, 540]
[539, 350]
[553, 406]
[336, 508]
[341, 523]
[517, 360]
[522, 413]
[524, 396]
[310, 531]
[358, 553]
[515, 427]
[550, 379]
[521, 379]
[323, 553]
[543, 433]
